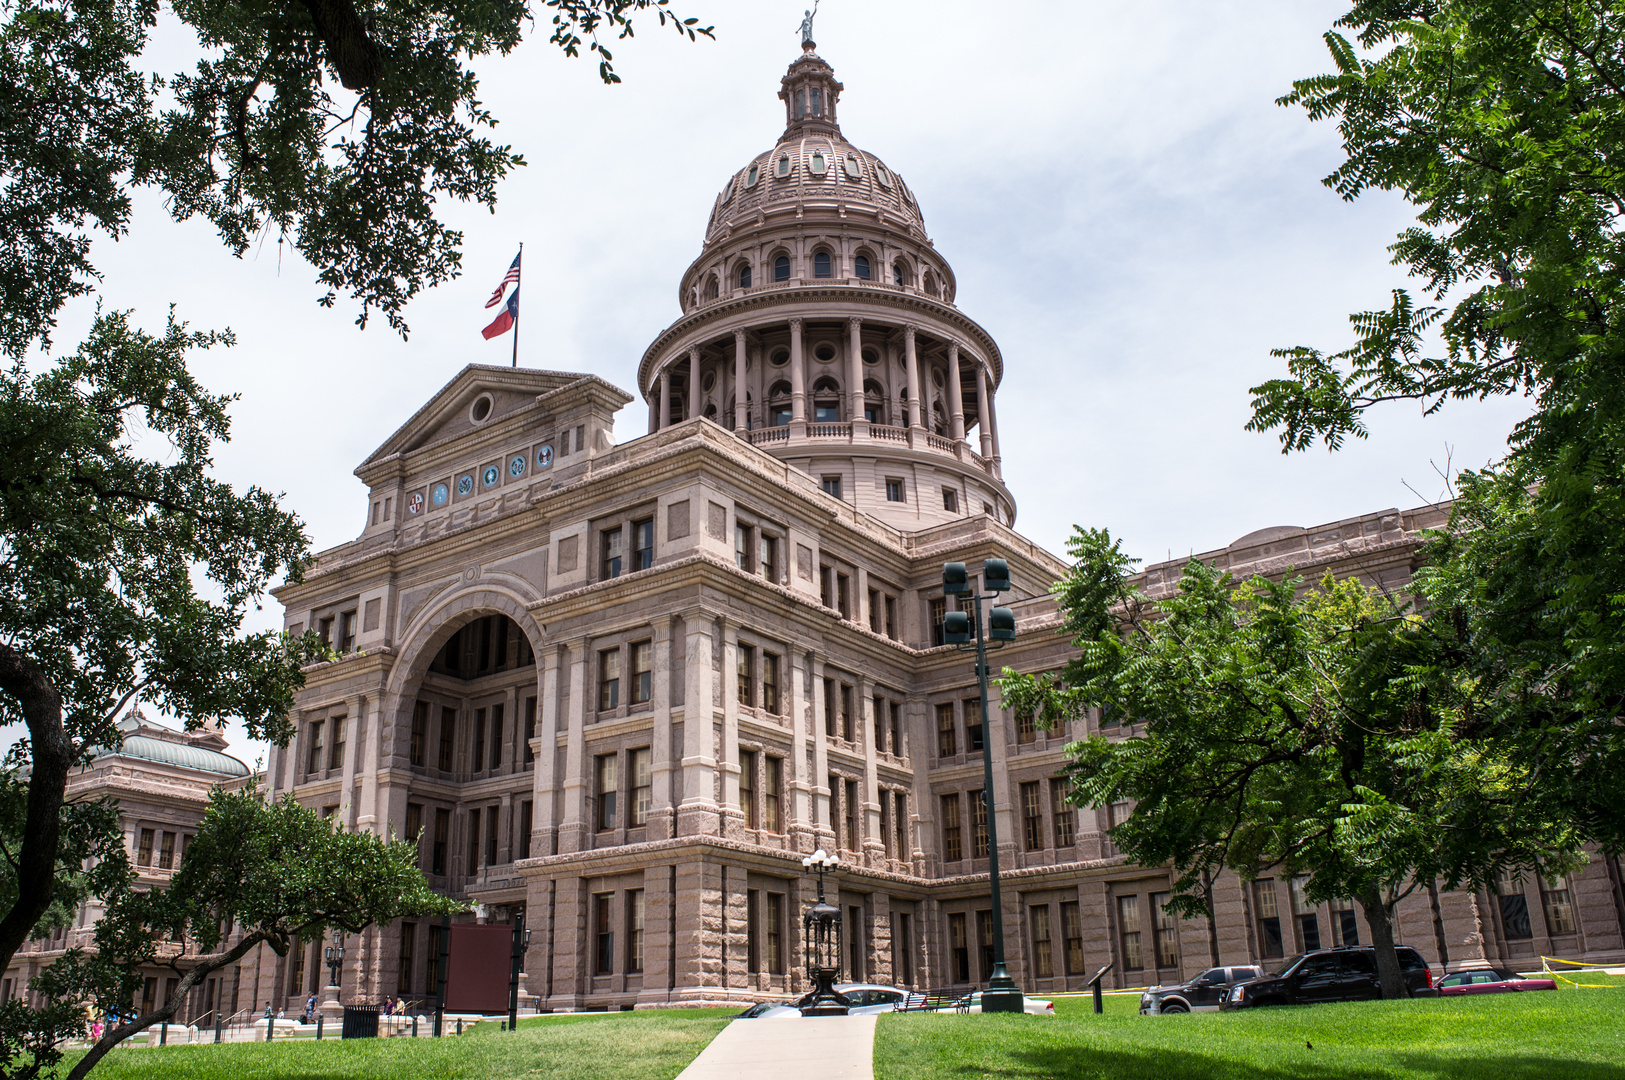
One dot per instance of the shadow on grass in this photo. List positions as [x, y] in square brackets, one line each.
[1082, 1063]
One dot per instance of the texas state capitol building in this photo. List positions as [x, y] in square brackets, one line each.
[625, 688]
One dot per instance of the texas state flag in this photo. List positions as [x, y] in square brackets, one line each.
[505, 319]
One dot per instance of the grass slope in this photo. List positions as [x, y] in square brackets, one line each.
[652, 1045]
[1538, 1036]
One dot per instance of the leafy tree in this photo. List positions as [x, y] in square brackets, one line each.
[257, 872]
[1329, 733]
[1504, 124]
[340, 125]
[125, 570]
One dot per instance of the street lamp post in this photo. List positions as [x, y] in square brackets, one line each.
[822, 925]
[335, 960]
[1001, 993]
[521, 942]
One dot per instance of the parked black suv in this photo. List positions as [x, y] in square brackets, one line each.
[1347, 974]
[1201, 994]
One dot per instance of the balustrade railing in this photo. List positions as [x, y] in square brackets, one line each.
[829, 431]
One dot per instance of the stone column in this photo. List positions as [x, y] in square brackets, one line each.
[874, 845]
[661, 767]
[798, 786]
[733, 823]
[823, 799]
[544, 782]
[798, 375]
[694, 398]
[993, 432]
[741, 391]
[982, 411]
[912, 361]
[664, 420]
[354, 722]
[658, 944]
[697, 814]
[373, 817]
[576, 828]
[894, 414]
[956, 394]
[854, 366]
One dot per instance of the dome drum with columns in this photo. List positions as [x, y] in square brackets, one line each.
[818, 323]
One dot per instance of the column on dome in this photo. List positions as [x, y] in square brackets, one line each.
[894, 412]
[798, 374]
[741, 409]
[982, 411]
[956, 394]
[993, 431]
[694, 398]
[665, 399]
[854, 367]
[912, 361]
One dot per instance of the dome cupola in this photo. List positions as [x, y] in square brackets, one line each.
[809, 92]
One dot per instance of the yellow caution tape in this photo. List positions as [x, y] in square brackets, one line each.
[1545, 967]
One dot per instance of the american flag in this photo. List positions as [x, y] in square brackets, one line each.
[510, 278]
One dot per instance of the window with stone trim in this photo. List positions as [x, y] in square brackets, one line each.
[1555, 898]
[642, 795]
[634, 930]
[885, 822]
[936, 613]
[742, 547]
[822, 265]
[442, 841]
[773, 795]
[1032, 815]
[642, 671]
[953, 848]
[479, 740]
[781, 264]
[905, 850]
[774, 916]
[313, 744]
[829, 708]
[409, 937]
[1043, 946]
[896, 710]
[604, 927]
[414, 828]
[609, 679]
[420, 734]
[770, 684]
[143, 855]
[978, 820]
[1064, 814]
[491, 818]
[473, 839]
[496, 735]
[1072, 929]
[1026, 727]
[854, 837]
[959, 946]
[527, 822]
[448, 740]
[973, 725]
[166, 852]
[610, 564]
[530, 730]
[984, 935]
[747, 787]
[847, 727]
[608, 788]
[1267, 913]
[643, 544]
[1165, 931]
[747, 676]
[1128, 932]
[946, 744]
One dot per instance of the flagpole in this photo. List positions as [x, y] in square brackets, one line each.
[516, 284]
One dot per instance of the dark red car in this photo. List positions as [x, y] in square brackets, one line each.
[1490, 981]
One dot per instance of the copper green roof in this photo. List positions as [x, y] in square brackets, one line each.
[173, 753]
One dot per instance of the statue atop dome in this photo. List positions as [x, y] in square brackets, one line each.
[807, 27]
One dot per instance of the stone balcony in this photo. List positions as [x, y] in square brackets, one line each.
[859, 432]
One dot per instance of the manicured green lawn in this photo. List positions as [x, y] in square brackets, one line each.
[1536, 1036]
[653, 1045]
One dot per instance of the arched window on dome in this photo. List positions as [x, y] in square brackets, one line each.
[778, 404]
[874, 402]
[781, 268]
[801, 104]
[861, 266]
[930, 283]
[817, 102]
[711, 288]
[899, 276]
[826, 401]
[939, 420]
[743, 276]
[821, 265]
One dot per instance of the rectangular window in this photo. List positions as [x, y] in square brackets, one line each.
[608, 787]
[843, 595]
[527, 819]
[950, 500]
[409, 937]
[897, 729]
[143, 855]
[773, 791]
[770, 558]
[1128, 928]
[637, 763]
[420, 733]
[984, 937]
[854, 838]
[742, 552]
[479, 739]
[938, 611]
[414, 828]
[1072, 928]
[496, 736]
[891, 617]
[1064, 815]
[770, 684]
[1303, 913]
[905, 850]
[1514, 905]
[1032, 815]
[973, 726]
[953, 848]
[530, 729]
[431, 983]
[448, 739]
[1165, 929]
[643, 679]
[946, 745]
[313, 740]
[166, 852]
[826, 586]
[753, 919]
[1559, 909]
[978, 820]
[643, 544]
[1026, 728]
[885, 822]
[442, 838]
[609, 680]
[879, 704]
[959, 944]
[473, 840]
[854, 938]
[604, 954]
[747, 677]
[747, 787]
[1043, 948]
[491, 835]
[610, 566]
[634, 930]
[874, 610]
[774, 917]
[296, 977]
[846, 713]
[1345, 927]
[324, 630]
[347, 631]
[832, 486]
[894, 490]
[1268, 913]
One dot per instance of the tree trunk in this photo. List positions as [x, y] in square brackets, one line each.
[1212, 927]
[204, 967]
[1439, 937]
[1390, 977]
[51, 756]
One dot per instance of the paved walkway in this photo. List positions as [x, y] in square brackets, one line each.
[797, 1048]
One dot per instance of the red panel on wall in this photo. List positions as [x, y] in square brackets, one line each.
[479, 968]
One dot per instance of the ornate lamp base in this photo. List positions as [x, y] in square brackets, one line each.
[1002, 995]
[825, 1002]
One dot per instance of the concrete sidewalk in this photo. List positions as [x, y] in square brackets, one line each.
[797, 1048]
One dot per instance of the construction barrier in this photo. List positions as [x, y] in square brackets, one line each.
[1546, 963]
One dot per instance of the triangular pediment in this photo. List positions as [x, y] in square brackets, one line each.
[449, 412]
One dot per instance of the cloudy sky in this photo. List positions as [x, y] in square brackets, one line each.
[1127, 210]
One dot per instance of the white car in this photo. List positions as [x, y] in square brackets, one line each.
[865, 998]
[972, 1003]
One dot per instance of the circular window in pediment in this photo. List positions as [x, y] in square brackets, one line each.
[480, 411]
